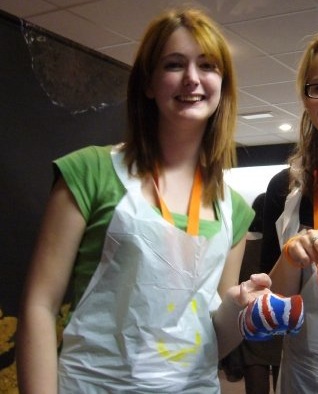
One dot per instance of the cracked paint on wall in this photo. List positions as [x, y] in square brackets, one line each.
[72, 78]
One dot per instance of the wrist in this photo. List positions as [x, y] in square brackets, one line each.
[286, 253]
[234, 299]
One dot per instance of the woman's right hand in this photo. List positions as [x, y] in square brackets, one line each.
[302, 249]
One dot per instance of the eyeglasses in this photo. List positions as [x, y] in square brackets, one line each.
[311, 90]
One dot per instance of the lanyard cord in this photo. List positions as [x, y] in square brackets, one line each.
[194, 205]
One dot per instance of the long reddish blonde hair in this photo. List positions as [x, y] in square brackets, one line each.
[217, 147]
[304, 160]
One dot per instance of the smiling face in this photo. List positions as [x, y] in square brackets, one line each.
[186, 85]
[311, 104]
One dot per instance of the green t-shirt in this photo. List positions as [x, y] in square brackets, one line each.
[91, 178]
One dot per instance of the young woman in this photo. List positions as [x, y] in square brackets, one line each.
[292, 202]
[148, 232]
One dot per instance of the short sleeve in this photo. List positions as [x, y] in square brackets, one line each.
[242, 216]
[84, 171]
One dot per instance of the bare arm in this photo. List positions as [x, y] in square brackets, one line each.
[234, 299]
[285, 278]
[286, 275]
[49, 273]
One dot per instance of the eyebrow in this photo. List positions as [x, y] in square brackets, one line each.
[180, 55]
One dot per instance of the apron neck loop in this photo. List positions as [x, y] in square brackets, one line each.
[194, 203]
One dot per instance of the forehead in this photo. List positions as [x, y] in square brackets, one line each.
[313, 70]
[181, 41]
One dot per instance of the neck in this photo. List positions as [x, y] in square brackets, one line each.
[180, 148]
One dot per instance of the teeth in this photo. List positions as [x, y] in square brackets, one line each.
[192, 98]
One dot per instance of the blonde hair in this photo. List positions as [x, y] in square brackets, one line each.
[217, 147]
[304, 160]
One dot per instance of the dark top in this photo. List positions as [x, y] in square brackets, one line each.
[276, 194]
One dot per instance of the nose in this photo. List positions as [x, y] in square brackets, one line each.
[191, 76]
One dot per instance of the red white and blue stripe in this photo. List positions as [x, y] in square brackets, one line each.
[271, 314]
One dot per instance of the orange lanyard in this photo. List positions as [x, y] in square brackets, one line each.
[315, 201]
[194, 205]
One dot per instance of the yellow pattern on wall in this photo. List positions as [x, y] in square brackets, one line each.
[8, 380]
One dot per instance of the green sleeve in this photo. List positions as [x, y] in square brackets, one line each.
[91, 178]
[242, 216]
[89, 174]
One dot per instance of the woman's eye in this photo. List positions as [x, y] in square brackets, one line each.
[173, 66]
[209, 66]
[315, 88]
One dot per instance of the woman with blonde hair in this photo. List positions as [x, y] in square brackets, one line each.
[291, 223]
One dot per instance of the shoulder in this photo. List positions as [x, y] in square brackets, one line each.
[89, 154]
[279, 182]
[242, 215]
[90, 161]
[90, 175]
[277, 190]
[239, 203]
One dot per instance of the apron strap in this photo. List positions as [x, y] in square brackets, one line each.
[195, 202]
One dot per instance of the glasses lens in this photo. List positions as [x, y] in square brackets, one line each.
[312, 90]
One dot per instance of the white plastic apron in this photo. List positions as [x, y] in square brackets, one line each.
[299, 366]
[143, 324]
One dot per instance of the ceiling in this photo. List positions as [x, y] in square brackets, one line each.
[266, 37]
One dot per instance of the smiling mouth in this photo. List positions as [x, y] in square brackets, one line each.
[190, 98]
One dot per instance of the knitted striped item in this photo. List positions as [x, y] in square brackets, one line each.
[271, 314]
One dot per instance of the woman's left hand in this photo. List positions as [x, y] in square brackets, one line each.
[247, 291]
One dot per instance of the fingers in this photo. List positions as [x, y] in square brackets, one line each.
[244, 297]
[312, 239]
[257, 285]
[312, 236]
[262, 280]
[303, 249]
